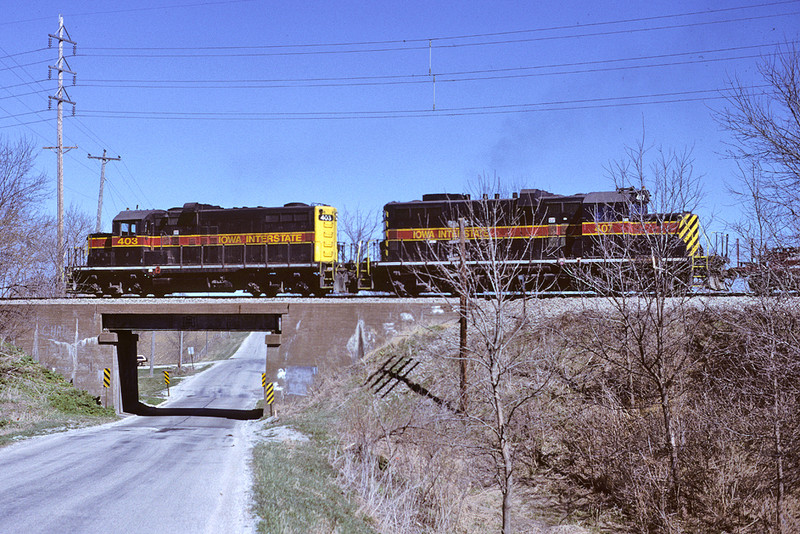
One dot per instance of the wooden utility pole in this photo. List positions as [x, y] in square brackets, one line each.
[462, 344]
[62, 36]
[104, 159]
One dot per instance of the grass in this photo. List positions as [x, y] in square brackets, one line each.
[296, 489]
[35, 400]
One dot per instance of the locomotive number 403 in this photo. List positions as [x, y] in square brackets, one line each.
[128, 240]
[327, 217]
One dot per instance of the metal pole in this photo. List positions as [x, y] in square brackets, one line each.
[61, 97]
[152, 351]
[60, 150]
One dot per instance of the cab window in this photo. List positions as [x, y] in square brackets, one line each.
[128, 228]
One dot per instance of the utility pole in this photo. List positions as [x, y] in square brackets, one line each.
[463, 310]
[62, 36]
[104, 160]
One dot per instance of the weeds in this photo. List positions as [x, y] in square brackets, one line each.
[35, 400]
[296, 489]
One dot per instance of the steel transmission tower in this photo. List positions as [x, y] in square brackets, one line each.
[62, 36]
[104, 160]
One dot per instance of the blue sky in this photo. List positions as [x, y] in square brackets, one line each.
[256, 102]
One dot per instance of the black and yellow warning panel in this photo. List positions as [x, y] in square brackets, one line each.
[269, 393]
[106, 377]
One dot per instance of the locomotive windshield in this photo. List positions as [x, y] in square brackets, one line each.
[126, 227]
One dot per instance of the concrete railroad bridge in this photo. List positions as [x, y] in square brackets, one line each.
[78, 338]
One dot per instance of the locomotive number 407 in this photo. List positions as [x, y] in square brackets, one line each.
[327, 217]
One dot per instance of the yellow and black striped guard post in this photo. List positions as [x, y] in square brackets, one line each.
[269, 393]
[106, 377]
[263, 380]
[166, 377]
[689, 231]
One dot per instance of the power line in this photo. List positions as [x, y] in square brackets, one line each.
[133, 10]
[667, 97]
[461, 37]
[402, 45]
[414, 78]
[24, 94]
[76, 122]
[16, 54]
[26, 65]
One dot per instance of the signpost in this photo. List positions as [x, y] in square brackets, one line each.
[106, 382]
[269, 392]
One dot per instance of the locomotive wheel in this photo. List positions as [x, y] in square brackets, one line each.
[136, 289]
[254, 289]
[272, 291]
[113, 290]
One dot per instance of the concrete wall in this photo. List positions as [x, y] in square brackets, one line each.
[317, 335]
[320, 335]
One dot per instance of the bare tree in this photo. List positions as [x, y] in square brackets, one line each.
[22, 189]
[753, 370]
[764, 121]
[757, 375]
[360, 227]
[507, 365]
[644, 327]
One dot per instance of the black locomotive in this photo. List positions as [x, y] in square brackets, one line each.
[544, 235]
[294, 248]
[199, 248]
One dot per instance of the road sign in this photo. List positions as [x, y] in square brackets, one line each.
[166, 381]
[269, 393]
[106, 377]
[263, 380]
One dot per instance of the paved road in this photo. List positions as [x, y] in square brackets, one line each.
[168, 473]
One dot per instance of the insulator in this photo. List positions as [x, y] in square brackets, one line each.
[49, 73]
[49, 104]
[49, 42]
[74, 50]
[74, 79]
[73, 110]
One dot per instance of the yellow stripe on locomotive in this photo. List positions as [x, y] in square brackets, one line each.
[689, 232]
[325, 234]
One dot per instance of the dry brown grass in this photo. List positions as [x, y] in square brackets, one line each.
[419, 467]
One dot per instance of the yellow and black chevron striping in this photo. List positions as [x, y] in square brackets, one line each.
[689, 231]
[269, 394]
[166, 377]
[106, 377]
